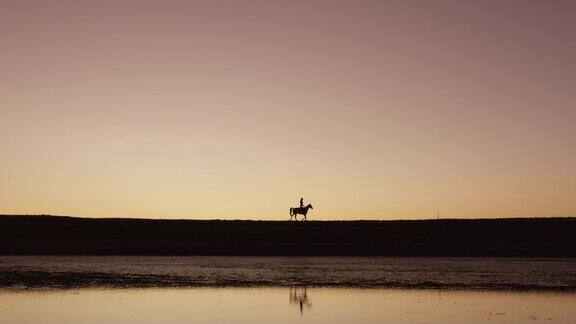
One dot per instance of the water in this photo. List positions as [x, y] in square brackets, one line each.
[282, 305]
[132, 271]
[79, 289]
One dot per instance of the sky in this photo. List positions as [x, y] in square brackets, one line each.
[236, 109]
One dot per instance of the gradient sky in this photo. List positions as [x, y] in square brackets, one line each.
[236, 109]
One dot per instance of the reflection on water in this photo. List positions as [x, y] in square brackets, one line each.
[254, 290]
[268, 305]
[298, 296]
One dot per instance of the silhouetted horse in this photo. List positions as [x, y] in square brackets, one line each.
[300, 210]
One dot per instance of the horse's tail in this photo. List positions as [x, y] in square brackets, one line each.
[291, 208]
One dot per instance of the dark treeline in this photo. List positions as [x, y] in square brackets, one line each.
[543, 237]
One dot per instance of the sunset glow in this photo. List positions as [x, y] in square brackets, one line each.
[236, 109]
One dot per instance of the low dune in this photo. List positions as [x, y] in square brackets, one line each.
[517, 237]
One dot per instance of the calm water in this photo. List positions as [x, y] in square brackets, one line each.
[285, 290]
[282, 305]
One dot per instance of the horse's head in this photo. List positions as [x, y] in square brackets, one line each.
[310, 206]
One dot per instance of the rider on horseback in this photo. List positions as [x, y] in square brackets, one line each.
[302, 210]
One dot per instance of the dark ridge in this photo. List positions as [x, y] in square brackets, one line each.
[514, 237]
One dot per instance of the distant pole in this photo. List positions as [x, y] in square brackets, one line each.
[438, 214]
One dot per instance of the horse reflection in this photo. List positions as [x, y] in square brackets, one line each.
[298, 296]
